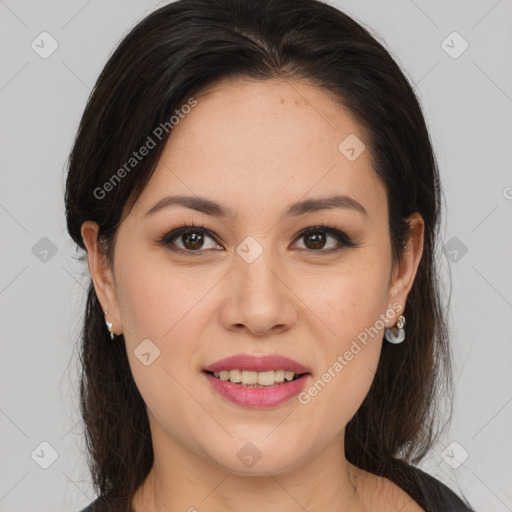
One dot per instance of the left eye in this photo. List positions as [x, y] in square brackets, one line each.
[193, 238]
[317, 236]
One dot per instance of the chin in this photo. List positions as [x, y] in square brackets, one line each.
[249, 460]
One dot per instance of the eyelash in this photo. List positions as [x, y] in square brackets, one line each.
[166, 240]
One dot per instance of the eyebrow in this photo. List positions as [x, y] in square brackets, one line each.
[214, 209]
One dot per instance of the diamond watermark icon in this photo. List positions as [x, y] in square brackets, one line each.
[249, 249]
[44, 250]
[454, 45]
[351, 147]
[44, 455]
[454, 455]
[249, 454]
[455, 250]
[44, 45]
[147, 352]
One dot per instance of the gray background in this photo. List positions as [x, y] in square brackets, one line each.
[468, 104]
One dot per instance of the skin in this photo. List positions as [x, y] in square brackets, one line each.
[256, 147]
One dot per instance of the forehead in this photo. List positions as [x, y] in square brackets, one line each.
[252, 144]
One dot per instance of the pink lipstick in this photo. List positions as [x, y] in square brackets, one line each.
[257, 381]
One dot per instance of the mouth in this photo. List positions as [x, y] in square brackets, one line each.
[257, 381]
[256, 390]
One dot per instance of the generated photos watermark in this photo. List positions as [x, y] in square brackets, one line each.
[343, 360]
[138, 156]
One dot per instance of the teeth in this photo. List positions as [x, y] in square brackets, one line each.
[235, 376]
[266, 378]
[250, 378]
[279, 375]
[288, 375]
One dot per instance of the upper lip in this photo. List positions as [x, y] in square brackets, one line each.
[257, 363]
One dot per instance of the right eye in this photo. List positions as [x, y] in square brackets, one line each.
[192, 238]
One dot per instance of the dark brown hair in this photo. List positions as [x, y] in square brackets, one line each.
[163, 61]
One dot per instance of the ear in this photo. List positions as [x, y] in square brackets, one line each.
[404, 271]
[101, 274]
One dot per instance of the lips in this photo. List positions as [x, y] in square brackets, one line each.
[257, 364]
[261, 395]
[257, 397]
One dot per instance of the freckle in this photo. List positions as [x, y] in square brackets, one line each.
[282, 100]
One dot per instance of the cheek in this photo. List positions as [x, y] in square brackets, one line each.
[353, 301]
[353, 307]
[161, 306]
[168, 306]
[156, 300]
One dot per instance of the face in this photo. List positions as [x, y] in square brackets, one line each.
[255, 281]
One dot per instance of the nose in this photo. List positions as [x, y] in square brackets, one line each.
[259, 297]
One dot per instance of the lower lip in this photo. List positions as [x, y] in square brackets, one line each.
[257, 397]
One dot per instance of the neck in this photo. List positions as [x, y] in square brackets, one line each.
[183, 480]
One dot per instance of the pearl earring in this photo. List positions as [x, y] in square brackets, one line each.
[400, 336]
[109, 327]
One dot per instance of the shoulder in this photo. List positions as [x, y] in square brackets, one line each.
[437, 495]
[379, 493]
[96, 506]
[419, 492]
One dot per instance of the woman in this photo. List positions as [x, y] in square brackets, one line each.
[256, 191]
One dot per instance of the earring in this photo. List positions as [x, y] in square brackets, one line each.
[109, 327]
[400, 336]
